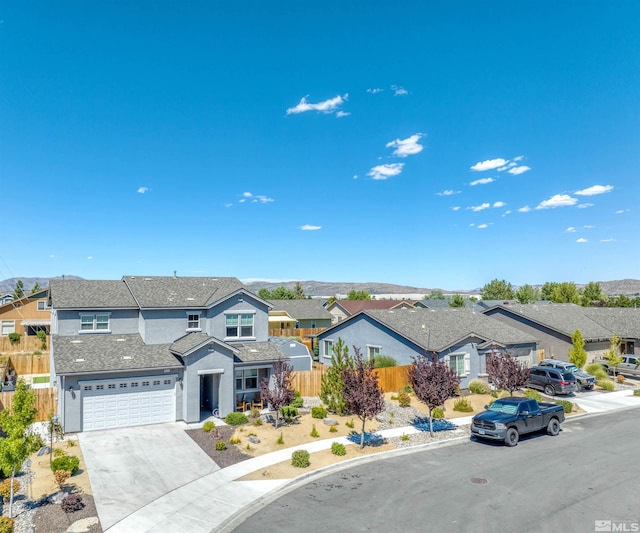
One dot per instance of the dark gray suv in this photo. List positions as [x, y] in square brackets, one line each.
[552, 380]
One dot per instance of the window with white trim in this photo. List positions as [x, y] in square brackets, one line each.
[239, 325]
[248, 379]
[193, 321]
[97, 322]
[43, 305]
[327, 348]
[8, 326]
[373, 351]
[460, 363]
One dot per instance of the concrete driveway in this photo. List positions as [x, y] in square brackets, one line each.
[132, 467]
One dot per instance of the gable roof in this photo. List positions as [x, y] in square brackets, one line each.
[437, 330]
[621, 321]
[255, 352]
[306, 309]
[351, 307]
[194, 340]
[90, 294]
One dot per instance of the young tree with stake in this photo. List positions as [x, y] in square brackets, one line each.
[278, 391]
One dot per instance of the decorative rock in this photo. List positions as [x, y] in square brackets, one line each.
[83, 525]
[57, 497]
[330, 422]
[253, 439]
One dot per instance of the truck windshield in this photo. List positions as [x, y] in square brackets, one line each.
[501, 407]
[571, 368]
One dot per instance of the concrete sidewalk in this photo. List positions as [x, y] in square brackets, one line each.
[209, 502]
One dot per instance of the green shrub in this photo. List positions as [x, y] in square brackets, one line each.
[566, 404]
[300, 459]
[236, 419]
[37, 352]
[333, 429]
[297, 403]
[257, 422]
[208, 426]
[437, 412]
[636, 392]
[338, 449]
[597, 370]
[71, 443]
[404, 437]
[66, 462]
[494, 393]
[384, 361]
[288, 413]
[6, 524]
[606, 384]
[14, 338]
[350, 424]
[533, 394]
[59, 452]
[394, 396]
[280, 439]
[319, 412]
[462, 405]
[314, 432]
[5, 488]
[221, 445]
[407, 389]
[477, 386]
[404, 399]
[234, 440]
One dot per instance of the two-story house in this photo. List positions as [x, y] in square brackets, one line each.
[144, 350]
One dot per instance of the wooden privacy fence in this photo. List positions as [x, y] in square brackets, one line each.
[391, 379]
[26, 363]
[46, 401]
[27, 343]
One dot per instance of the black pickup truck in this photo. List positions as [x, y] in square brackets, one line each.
[508, 418]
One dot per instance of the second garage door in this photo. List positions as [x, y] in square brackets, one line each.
[119, 403]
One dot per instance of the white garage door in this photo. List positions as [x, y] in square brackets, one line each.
[127, 402]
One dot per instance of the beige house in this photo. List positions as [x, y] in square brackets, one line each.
[25, 316]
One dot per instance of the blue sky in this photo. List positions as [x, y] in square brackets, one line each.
[433, 144]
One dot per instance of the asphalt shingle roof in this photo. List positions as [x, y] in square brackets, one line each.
[302, 309]
[351, 307]
[439, 329]
[100, 353]
[90, 294]
[255, 352]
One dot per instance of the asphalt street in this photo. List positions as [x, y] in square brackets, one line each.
[589, 473]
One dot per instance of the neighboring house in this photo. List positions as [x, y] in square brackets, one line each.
[298, 354]
[553, 325]
[299, 314]
[342, 309]
[145, 350]
[26, 316]
[460, 337]
[440, 303]
[6, 298]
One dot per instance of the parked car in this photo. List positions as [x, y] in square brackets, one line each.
[585, 380]
[552, 381]
[508, 418]
[630, 365]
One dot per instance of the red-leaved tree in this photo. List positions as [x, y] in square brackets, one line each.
[362, 392]
[433, 382]
[277, 391]
[506, 372]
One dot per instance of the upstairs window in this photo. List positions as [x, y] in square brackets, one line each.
[43, 305]
[240, 325]
[193, 321]
[327, 348]
[97, 322]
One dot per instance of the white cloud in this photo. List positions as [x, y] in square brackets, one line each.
[142, 190]
[228, 205]
[482, 226]
[260, 198]
[448, 192]
[326, 106]
[90, 257]
[499, 204]
[382, 172]
[585, 205]
[507, 212]
[519, 158]
[399, 91]
[524, 209]
[355, 176]
[607, 240]
[406, 147]
[482, 181]
[516, 171]
[594, 189]
[247, 194]
[558, 200]
[481, 207]
[455, 208]
[581, 239]
[375, 90]
[588, 226]
[489, 164]
[570, 229]
[341, 114]
[309, 227]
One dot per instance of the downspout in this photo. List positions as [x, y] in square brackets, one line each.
[61, 406]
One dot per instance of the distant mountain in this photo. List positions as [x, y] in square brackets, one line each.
[8, 285]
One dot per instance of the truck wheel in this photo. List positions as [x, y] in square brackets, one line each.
[553, 428]
[511, 438]
[549, 390]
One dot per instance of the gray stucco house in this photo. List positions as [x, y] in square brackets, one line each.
[144, 350]
[553, 325]
[460, 337]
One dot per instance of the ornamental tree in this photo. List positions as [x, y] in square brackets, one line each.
[362, 392]
[506, 372]
[278, 390]
[332, 386]
[433, 382]
[577, 353]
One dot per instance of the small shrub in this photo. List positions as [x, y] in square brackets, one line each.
[566, 405]
[477, 386]
[59, 452]
[221, 445]
[300, 459]
[66, 462]
[257, 422]
[437, 412]
[248, 446]
[61, 477]
[6, 524]
[407, 389]
[5, 488]
[462, 405]
[606, 384]
[236, 419]
[404, 437]
[338, 449]
[494, 393]
[505, 394]
[404, 399]
[37, 352]
[234, 440]
[333, 429]
[14, 338]
[391, 421]
[208, 426]
[319, 412]
[351, 424]
[255, 413]
[620, 378]
[636, 392]
[394, 397]
[71, 443]
[596, 370]
[297, 402]
[72, 503]
[288, 413]
[280, 439]
[533, 394]
[384, 361]
[314, 432]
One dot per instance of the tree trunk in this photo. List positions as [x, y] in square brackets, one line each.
[430, 423]
[362, 434]
[13, 475]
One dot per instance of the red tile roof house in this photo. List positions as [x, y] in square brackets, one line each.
[341, 309]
